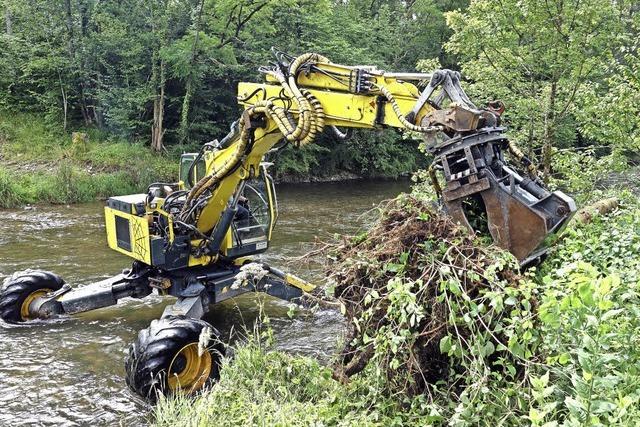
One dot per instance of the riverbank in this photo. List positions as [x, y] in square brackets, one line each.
[42, 164]
[569, 357]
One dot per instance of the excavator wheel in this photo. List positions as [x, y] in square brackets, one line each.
[21, 290]
[174, 354]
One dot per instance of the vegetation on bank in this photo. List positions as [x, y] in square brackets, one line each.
[40, 163]
[164, 74]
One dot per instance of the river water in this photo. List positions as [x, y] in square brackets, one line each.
[70, 371]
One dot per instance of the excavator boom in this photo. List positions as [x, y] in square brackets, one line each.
[302, 97]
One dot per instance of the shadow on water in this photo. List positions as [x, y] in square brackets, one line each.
[70, 371]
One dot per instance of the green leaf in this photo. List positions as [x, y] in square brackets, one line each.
[602, 406]
[445, 344]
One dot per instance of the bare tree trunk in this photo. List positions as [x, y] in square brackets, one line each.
[157, 128]
[549, 133]
[65, 105]
[530, 138]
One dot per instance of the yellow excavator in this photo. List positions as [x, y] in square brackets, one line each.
[193, 239]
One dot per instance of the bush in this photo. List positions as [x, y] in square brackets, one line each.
[44, 166]
[590, 321]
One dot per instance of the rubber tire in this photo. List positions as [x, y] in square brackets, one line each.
[18, 288]
[151, 354]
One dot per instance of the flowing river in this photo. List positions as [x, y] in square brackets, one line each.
[70, 371]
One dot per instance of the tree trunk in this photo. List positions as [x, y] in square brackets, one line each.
[184, 115]
[532, 118]
[157, 129]
[188, 93]
[89, 99]
[69, 21]
[8, 21]
[601, 207]
[71, 47]
[65, 105]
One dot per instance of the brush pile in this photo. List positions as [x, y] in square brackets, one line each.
[425, 301]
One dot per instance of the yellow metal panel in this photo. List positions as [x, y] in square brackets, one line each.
[297, 282]
[272, 204]
[265, 139]
[138, 230]
[341, 76]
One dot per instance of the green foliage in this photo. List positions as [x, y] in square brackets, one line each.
[559, 67]
[563, 351]
[369, 154]
[580, 172]
[590, 318]
[259, 387]
[609, 108]
[303, 161]
[11, 194]
[267, 387]
[108, 64]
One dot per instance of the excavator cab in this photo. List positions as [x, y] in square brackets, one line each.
[192, 168]
[250, 231]
[257, 208]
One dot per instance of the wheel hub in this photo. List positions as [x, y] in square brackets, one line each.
[24, 308]
[188, 370]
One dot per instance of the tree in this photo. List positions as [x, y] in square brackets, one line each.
[159, 28]
[609, 109]
[165, 72]
[537, 56]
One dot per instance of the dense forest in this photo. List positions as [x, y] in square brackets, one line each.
[164, 72]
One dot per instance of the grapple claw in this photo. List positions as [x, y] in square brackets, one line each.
[520, 212]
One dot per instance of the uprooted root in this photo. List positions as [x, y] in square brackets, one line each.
[415, 292]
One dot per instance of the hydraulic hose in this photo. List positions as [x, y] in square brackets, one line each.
[518, 154]
[311, 121]
[402, 119]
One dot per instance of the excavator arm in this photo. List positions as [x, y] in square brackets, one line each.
[304, 96]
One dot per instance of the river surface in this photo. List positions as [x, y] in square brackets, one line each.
[70, 371]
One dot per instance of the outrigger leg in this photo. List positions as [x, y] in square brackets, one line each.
[195, 292]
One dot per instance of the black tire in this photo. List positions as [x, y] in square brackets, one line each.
[18, 290]
[159, 346]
